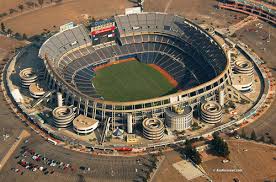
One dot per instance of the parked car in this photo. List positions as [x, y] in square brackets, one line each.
[84, 168]
[17, 170]
[44, 158]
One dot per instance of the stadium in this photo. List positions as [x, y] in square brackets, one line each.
[141, 64]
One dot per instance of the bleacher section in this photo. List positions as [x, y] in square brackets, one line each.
[62, 43]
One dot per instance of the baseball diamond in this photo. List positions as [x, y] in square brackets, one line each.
[130, 81]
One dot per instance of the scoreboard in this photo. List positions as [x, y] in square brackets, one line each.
[103, 31]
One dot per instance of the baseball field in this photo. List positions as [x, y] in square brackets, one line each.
[132, 80]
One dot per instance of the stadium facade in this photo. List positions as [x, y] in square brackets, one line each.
[180, 47]
[263, 9]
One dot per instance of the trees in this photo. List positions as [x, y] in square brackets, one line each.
[40, 2]
[11, 11]
[3, 14]
[192, 153]
[195, 124]
[24, 36]
[30, 4]
[215, 134]
[271, 140]
[3, 27]
[21, 7]
[220, 147]
[93, 19]
[253, 135]
[17, 36]
[9, 31]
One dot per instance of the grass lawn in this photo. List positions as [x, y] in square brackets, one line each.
[131, 81]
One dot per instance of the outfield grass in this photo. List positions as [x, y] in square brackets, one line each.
[131, 81]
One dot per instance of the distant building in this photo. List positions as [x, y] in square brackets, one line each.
[66, 26]
[133, 10]
[131, 138]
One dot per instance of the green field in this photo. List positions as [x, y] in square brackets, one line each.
[131, 81]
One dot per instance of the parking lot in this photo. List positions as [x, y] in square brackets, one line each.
[36, 159]
[10, 127]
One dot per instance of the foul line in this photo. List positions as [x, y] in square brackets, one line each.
[172, 81]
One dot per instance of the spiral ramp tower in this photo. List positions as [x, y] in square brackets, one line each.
[27, 77]
[243, 76]
[63, 116]
[244, 67]
[211, 112]
[153, 128]
[36, 91]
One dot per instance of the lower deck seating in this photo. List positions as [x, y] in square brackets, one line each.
[177, 57]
